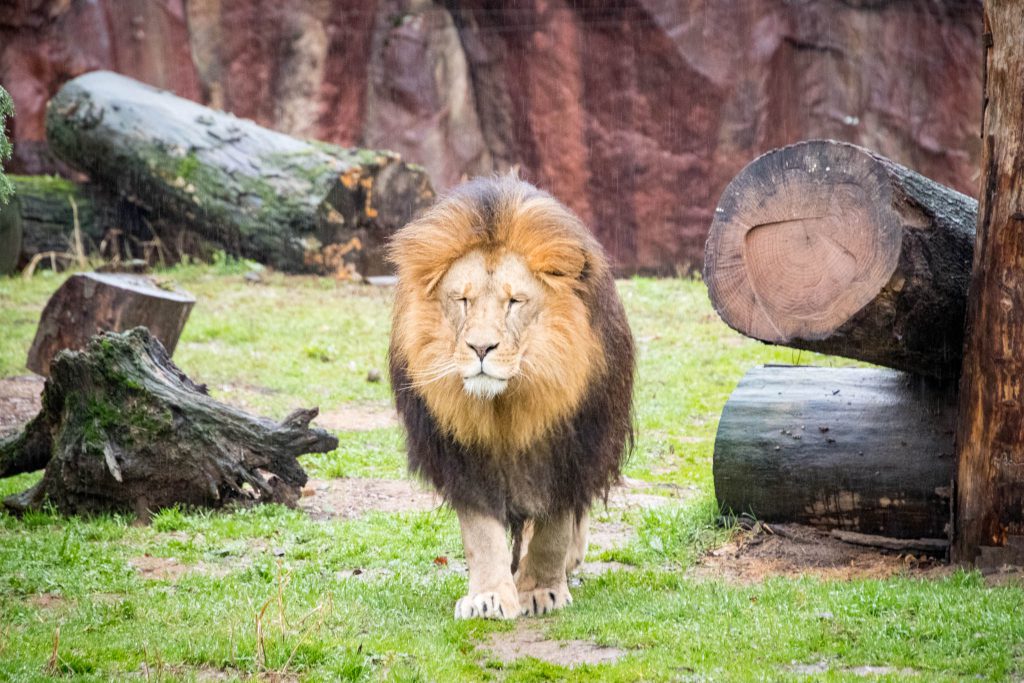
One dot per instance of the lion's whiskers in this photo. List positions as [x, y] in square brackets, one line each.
[433, 374]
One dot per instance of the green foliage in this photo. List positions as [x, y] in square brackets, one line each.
[6, 112]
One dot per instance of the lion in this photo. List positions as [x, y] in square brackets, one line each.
[512, 366]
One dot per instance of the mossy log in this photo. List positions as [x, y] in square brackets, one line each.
[857, 449]
[257, 193]
[88, 303]
[828, 247]
[122, 428]
[43, 211]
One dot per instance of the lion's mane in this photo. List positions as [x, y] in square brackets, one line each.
[556, 439]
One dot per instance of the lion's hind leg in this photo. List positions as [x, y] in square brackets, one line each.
[492, 592]
[578, 545]
[541, 579]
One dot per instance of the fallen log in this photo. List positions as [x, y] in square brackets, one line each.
[856, 449]
[10, 237]
[829, 247]
[257, 193]
[122, 428]
[89, 303]
[46, 207]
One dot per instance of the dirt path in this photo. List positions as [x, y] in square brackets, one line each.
[795, 550]
[327, 499]
[528, 640]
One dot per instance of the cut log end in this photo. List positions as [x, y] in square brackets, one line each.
[804, 238]
[88, 303]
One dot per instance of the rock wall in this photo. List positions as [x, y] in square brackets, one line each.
[636, 113]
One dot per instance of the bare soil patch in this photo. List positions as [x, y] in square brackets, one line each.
[172, 569]
[358, 417]
[19, 401]
[47, 600]
[160, 568]
[795, 550]
[824, 667]
[346, 498]
[527, 640]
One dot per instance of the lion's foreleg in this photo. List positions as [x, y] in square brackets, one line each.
[541, 579]
[492, 592]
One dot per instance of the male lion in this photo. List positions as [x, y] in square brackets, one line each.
[512, 366]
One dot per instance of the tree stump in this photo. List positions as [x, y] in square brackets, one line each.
[122, 428]
[294, 204]
[862, 450]
[88, 303]
[828, 247]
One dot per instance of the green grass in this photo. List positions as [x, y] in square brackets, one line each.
[270, 590]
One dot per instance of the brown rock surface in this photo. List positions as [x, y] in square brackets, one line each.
[636, 115]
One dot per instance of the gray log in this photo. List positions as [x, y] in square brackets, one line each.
[256, 192]
[864, 450]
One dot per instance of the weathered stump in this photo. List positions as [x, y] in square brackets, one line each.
[88, 303]
[293, 204]
[863, 450]
[122, 428]
[826, 246]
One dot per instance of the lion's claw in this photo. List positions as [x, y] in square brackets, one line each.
[543, 600]
[483, 606]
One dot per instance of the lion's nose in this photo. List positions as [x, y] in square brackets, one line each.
[482, 349]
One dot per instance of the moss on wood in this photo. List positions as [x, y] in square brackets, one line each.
[6, 112]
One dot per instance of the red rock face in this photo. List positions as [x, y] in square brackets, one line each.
[635, 116]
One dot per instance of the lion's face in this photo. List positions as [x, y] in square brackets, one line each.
[491, 324]
[490, 302]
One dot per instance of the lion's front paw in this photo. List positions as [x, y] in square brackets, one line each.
[543, 600]
[484, 606]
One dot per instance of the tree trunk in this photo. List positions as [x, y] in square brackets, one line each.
[828, 247]
[122, 428]
[862, 450]
[89, 303]
[990, 428]
[258, 193]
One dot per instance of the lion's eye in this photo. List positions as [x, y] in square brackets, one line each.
[512, 302]
[463, 303]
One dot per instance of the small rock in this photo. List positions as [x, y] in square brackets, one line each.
[373, 375]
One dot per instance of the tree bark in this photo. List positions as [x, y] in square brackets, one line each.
[826, 246]
[257, 193]
[990, 428]
[863, 450]
[43, 211]
[10, 236]
[89, 303]
[122, 428]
